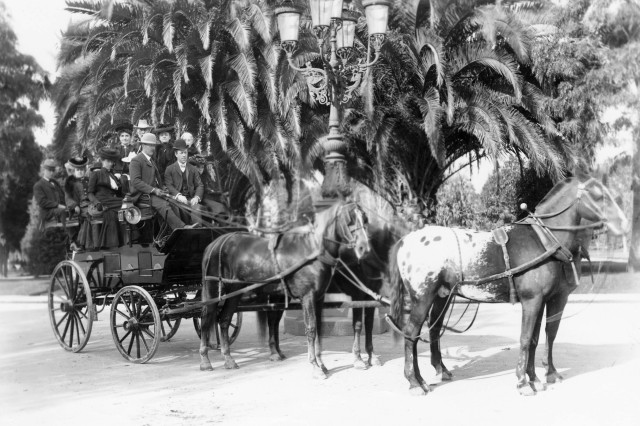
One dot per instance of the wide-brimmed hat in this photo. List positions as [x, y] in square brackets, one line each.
[149, 139]
[142, 124]
[197, 160]
[124, 128]
[180, 145]
[79, 162]
[108, 154]
[163, 128]
[129, 157]
[49, 164]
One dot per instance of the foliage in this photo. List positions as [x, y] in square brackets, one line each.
[457, 204]
[498, 198]
[41, 250]
[22, 85]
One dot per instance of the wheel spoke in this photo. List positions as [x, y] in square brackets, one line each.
[125, 336]
[84, 331]
[66, 280]
[164, 333]
[149, 333]
[138, 344]
[73, 322]
[233, 326]
[66, 328]
[76, 287]
[126, 305]
[83, 314]
[145, 342]
[63, 287]
[78, 324]
[62, 319]
[125, 316]
[131, 344]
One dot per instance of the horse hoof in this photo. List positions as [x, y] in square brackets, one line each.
[324, 369]
[206, 367]
[374, 360]
[276, 357]
[526, 390]
[538, 386]
[447, 376]
[282, 356]
[230, 365]
[359, 364]
[319, 374]
[554, 378]
[419, 391]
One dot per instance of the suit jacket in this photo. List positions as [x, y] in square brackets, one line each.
[173, 180]
[48, 195]
[144, 176]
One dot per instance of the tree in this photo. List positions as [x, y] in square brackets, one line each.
[22, 85]
[498, 198]
[457, 204]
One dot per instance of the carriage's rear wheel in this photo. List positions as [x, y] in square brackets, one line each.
[236, 324]
[135, 324]
[169, 328]
[70, 306]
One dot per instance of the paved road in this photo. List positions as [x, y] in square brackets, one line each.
[598, 349]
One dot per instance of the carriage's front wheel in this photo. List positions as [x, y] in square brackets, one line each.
[234, 327]
[135, 324]
[70, 306]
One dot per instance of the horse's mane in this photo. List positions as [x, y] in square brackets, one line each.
[558, 189]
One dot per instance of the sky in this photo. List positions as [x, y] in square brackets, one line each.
[38, 25]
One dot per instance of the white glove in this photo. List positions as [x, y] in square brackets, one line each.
[194, 201]
[182, 199]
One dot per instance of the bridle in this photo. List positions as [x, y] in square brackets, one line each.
[348, 231]
[577, 201]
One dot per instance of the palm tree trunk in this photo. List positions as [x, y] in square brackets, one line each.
[634, 245]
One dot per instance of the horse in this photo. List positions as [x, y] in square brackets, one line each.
[433, 263]
[298, 262]
[384, 229]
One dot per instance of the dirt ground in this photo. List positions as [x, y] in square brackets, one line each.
[597, 351]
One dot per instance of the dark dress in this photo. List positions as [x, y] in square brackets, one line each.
[120, 166]
[164, 157]
[77, 195]
[102, 193]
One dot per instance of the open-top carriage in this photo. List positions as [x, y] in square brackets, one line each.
[139, 281]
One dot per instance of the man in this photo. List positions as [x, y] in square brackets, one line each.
[124, 147]
[192, 148]
[183, 182]
[49, 195]
[142, 128]
[164, 151]
[146, 181]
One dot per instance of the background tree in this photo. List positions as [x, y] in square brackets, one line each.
[22, 85]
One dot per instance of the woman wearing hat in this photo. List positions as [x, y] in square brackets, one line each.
[76, 189]
[124, 147]
[105, 193]
[164, 151]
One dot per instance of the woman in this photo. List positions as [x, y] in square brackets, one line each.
[105, 193]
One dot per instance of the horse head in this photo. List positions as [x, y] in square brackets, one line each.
[596, 204]
[350, 228]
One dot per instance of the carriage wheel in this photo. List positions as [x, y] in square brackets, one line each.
[70, 306]
[169, 328]
[236, 324]
[135, 324]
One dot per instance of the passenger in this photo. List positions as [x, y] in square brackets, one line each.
[49, 195]
[146, 181]
[76, 188]
[125, 178]
[164, 151]
[141, 129]
[124, 147]
[184, 184]
[192, 148]
[105, 193]
[213, 198]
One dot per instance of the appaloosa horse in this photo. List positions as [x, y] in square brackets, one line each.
[303, 257]
[429, 263]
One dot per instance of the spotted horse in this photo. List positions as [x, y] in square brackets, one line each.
[532, 261]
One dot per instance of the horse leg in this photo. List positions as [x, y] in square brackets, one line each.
[436, 320]
[531, 365]
[207, 324]
[369, 317]
[274, 335]
[530, 310]
[228, 310]
[357, 331]
[318, 345]
[309, 317]
[554, 313]
[419, 311]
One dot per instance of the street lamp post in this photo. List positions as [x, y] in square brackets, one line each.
[335, 83]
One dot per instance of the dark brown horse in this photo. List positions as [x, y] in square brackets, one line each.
[430, 263]
[303, 256]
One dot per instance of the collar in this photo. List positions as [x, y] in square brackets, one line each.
[182, 167]
[146, 156]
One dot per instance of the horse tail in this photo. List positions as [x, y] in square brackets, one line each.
[396, 287]
[262, 318]
[206, 259]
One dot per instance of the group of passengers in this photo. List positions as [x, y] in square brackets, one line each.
[169, 177]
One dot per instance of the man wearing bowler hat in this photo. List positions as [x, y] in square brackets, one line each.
[49, 195]
[141, 128]
[183, 182]
[146, 181]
